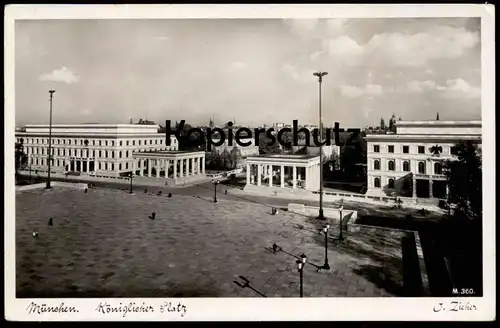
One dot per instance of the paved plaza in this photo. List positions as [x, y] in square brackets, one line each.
[103, 244]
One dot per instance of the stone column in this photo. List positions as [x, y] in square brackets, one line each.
[270, 176]
[259, 174]
[158, 168]
[414, 190]
[88, 165]
[133, 167]
[141, 167]
[149, 167]
[294, 173]
[181, 168]
[188, 167]
[282, 176]
[248, 174]
[203, 164]
[431, 183]
[167, 167]
[175, 169]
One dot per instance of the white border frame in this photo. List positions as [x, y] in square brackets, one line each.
[286, 309]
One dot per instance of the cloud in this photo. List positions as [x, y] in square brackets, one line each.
[370, 90]
[239, 65]
[418, 87]
[403, 49]
[342, 46]
[63, 74]
[296, 74]
[162, 38]
[336, 24]
[302, 26]
[459, 88]
[453, 88]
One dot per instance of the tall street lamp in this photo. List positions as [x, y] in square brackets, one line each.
[300, 267]
[51, 92]
[215, 182]
[326, 266]
[341, 237]
[320, 80]
[131, 176]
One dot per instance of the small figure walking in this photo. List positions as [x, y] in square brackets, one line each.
[275, 248]
[153, 215]
[146, 190]
[51, 222]
[273, 211]
[85, 190]
[225, 192]
[35, 234]
[169, 195]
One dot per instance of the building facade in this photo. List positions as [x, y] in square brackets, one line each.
[409, 163]
[93, 149]
[284, 171]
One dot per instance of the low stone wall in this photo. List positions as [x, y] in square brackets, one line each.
[31, 187]
[333, 213]
[81, 186]
[413, 256]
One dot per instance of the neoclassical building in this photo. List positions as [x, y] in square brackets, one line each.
[409, 163]
[93, 149]
[283, 171]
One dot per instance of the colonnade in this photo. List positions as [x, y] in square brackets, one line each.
[302, 176]
[181, 167]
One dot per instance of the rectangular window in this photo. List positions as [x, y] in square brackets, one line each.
[391, 149]
[127, 143]
[406, 149]
[421, 149]
[376, 148]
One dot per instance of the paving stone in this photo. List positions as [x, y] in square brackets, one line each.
[106, 246]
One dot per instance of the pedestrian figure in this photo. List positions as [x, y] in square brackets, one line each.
[225, 192]
[51, 223]
[275, 248]
[169, 195]
[153, 215]
[35, 234]
[146, 190]
[85, 190]
[159, 193]
[273, 211]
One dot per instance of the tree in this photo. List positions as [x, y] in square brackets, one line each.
[382, 124]
[265, 148]
[464, 177]
[226, 159]
[236, 157]
[191, 143]
[392, 123]
[20, 156]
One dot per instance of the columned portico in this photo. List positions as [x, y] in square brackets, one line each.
[181, 163]
[284, 171]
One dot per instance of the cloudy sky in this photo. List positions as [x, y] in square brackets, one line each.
[257, 71]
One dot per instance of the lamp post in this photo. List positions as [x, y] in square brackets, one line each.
[326, 266]
[215, 182]
[51, 92]
[341, 237]
[300, 268]
[131, 176]
[29, 162]
[320, 80]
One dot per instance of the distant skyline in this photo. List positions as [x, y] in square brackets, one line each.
[254, 70]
